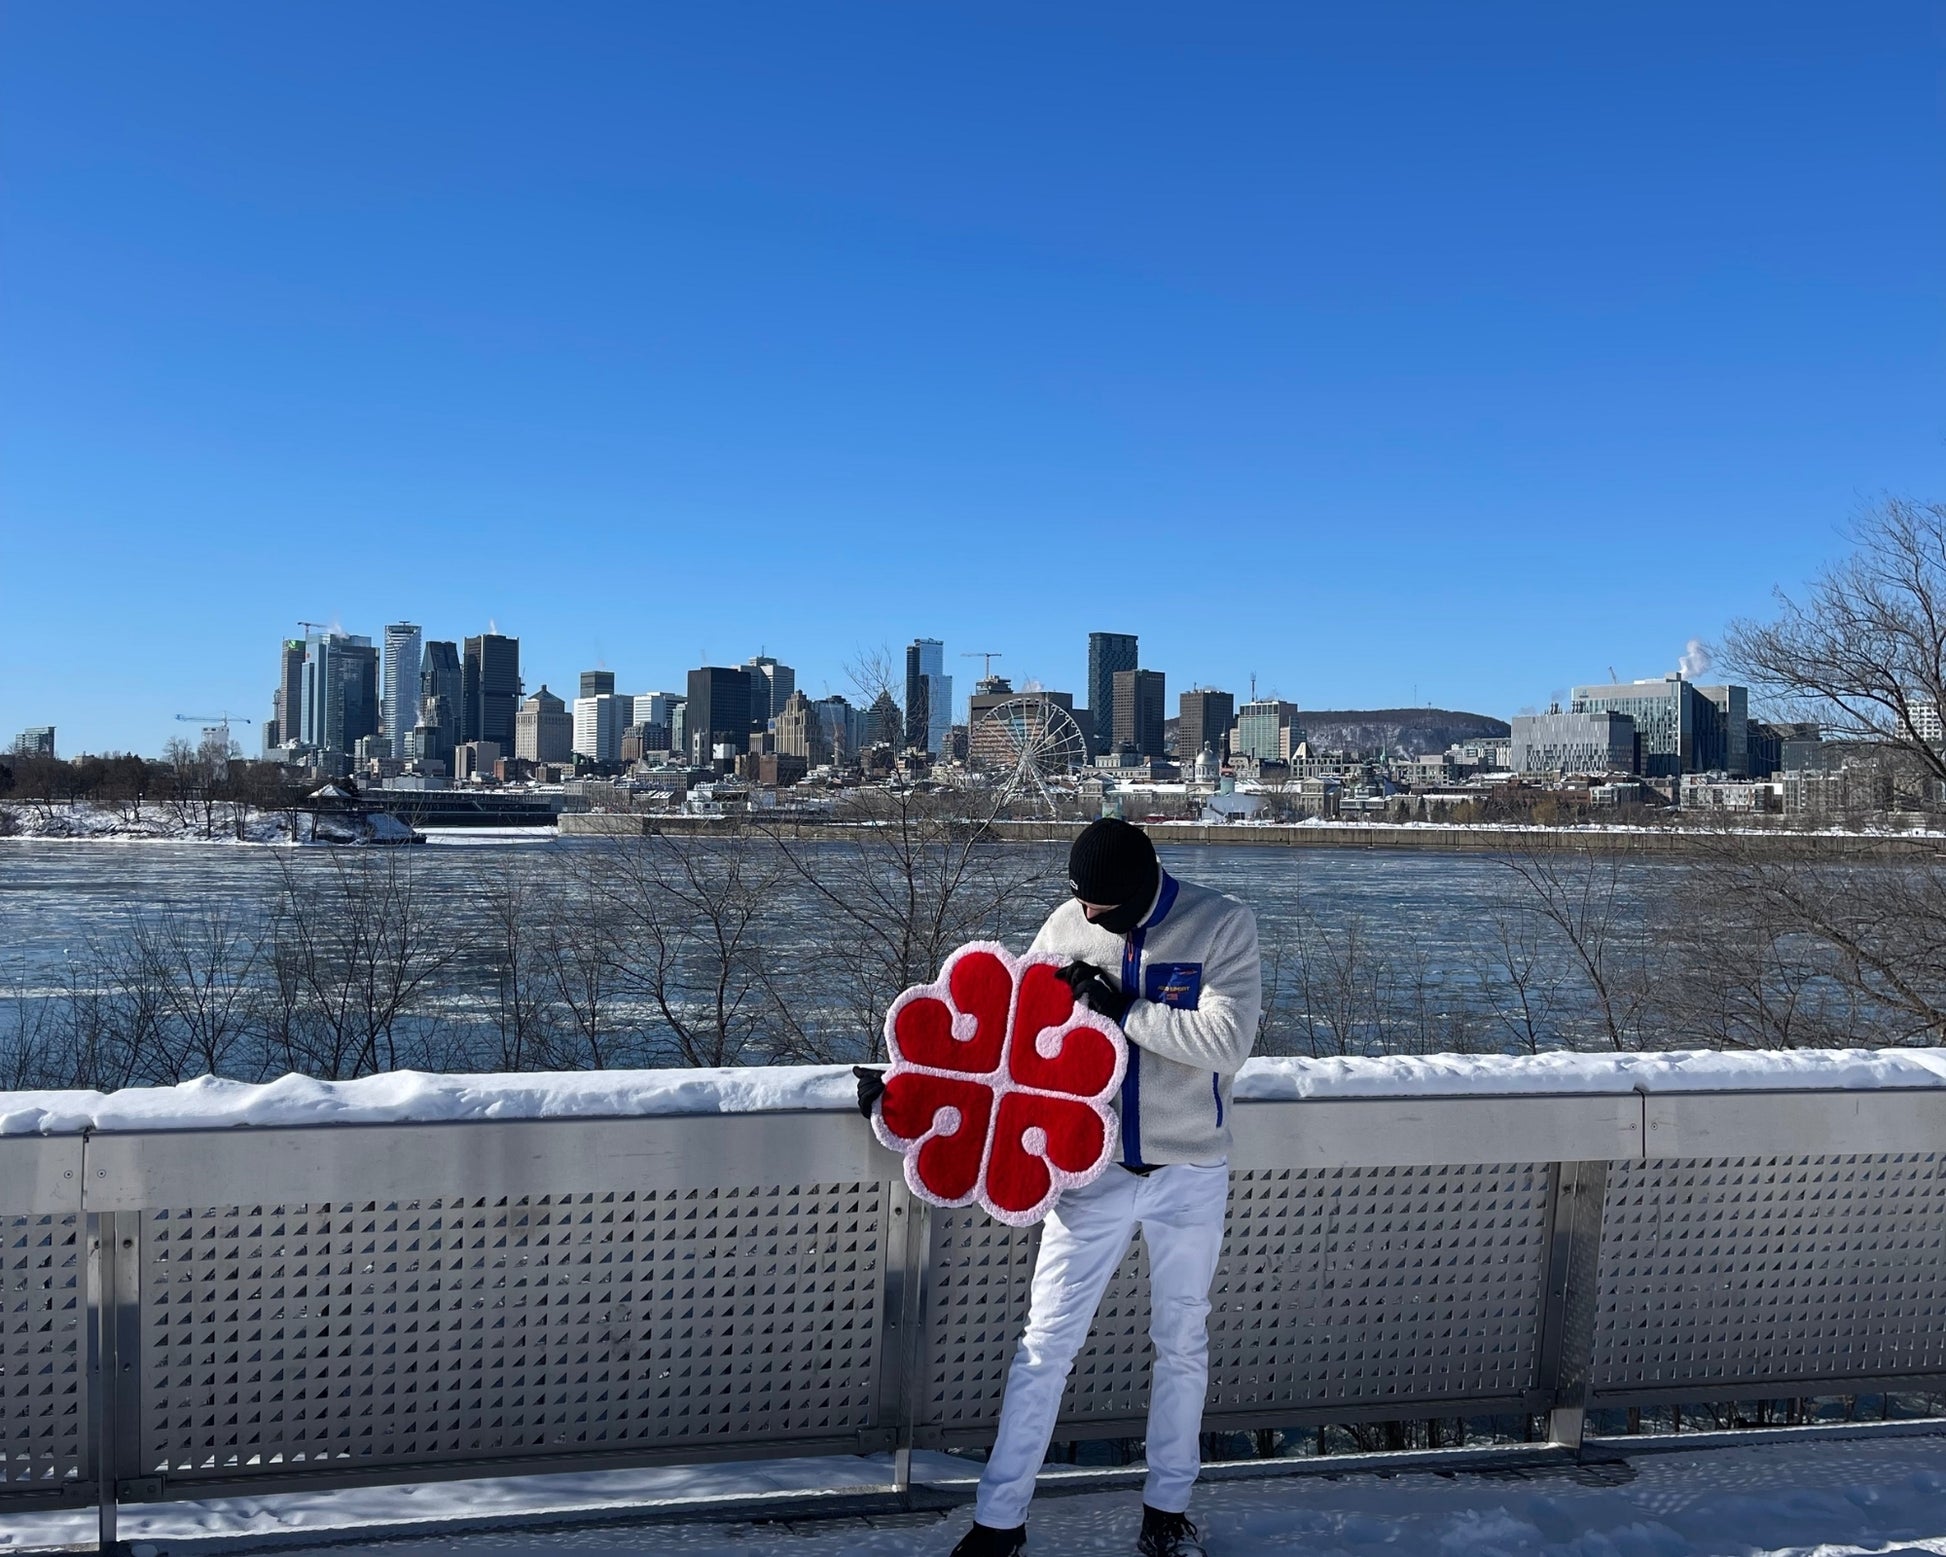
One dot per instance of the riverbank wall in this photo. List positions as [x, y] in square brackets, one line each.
[1644, 841]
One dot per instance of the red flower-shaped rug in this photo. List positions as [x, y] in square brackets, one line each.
[999, 1085]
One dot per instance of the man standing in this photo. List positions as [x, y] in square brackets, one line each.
[1176, 965]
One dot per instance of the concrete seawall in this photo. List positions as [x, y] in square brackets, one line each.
[1647, 842]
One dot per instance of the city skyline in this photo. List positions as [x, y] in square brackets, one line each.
[1394, 328]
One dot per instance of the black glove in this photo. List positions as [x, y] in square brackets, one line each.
[1092, 989]
[871, 1087]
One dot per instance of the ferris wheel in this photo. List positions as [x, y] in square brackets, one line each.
[1031, 739]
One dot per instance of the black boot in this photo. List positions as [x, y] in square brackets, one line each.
[1168, 1535]
[985, 1541]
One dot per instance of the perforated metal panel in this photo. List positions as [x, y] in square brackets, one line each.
[1355, 1286]
[43, 1352]
[453, 1329]
[1751, 1269]
[1368, 1286]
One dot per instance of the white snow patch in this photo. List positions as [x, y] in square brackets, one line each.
[1828, 1498]
[410, 1096]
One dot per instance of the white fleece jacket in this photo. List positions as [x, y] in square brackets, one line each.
[1193, 968]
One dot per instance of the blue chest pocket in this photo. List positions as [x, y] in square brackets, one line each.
[1178, 984]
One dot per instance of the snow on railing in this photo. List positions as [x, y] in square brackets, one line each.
[422, 1097]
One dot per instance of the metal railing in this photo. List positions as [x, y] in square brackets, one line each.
[201, 1312]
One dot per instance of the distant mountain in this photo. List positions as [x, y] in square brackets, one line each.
[1412, 730]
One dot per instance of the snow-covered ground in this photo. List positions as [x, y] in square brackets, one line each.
[230, 824]
[1820, 1497]
[402, 1096]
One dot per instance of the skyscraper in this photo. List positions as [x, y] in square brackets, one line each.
[928, 696]
[1204, 719]
[289, 698]
[717, 715]
[340, 691]
[596, 682]
[598, 725]
[1266, 729]
[399, 701]
[440, 682]
[771, 686]
[1107, 654]
[1138, 698]
[490, 689]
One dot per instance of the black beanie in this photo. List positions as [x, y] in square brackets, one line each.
[1113, 862]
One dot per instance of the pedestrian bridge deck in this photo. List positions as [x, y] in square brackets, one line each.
[193, 1313]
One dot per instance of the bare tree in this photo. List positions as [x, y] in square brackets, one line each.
[688, 928]
[914, 875]
[1579, 893]
[1864, 654]
[1520, 977]
[356, 953]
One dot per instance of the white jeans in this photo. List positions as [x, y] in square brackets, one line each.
[1180, 1211]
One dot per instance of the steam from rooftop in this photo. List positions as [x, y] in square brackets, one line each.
[1696, 660]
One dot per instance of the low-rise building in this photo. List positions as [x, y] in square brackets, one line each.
[1585, 742]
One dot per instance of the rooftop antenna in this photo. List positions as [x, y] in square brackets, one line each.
[1253, 686]
[989, 655]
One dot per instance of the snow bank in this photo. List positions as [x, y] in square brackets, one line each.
[422, 1097]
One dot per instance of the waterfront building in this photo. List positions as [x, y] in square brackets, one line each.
[339, 692]
[598, 725]
[1204, 718]
[928, 696]
[37, 740]
[490, 690]
[1139, 698]
[595, 683]
[1108, 654]
[544, 729]
[1683, 728]
[1555, 742]
[399, 695]
[717, 716]
[771, 685]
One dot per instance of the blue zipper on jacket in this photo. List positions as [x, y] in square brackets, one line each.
[1132, 1077]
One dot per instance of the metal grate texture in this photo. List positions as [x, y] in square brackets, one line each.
[458, 1329]
[1748, 1269]
[1347, 1286]
[43, 1353]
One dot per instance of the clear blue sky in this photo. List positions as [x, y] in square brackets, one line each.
[1453, 352]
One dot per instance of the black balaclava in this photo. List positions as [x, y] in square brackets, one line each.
[1114, 862]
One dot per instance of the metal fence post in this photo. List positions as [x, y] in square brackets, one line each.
[104, 1332]
[909, 1259]
[1578, 1192]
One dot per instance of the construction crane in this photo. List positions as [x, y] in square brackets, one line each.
[1612, 677]
[307, 626]
[989, 655]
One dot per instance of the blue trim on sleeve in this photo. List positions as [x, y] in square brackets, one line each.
[1132, 1077]
[1216, 1091]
